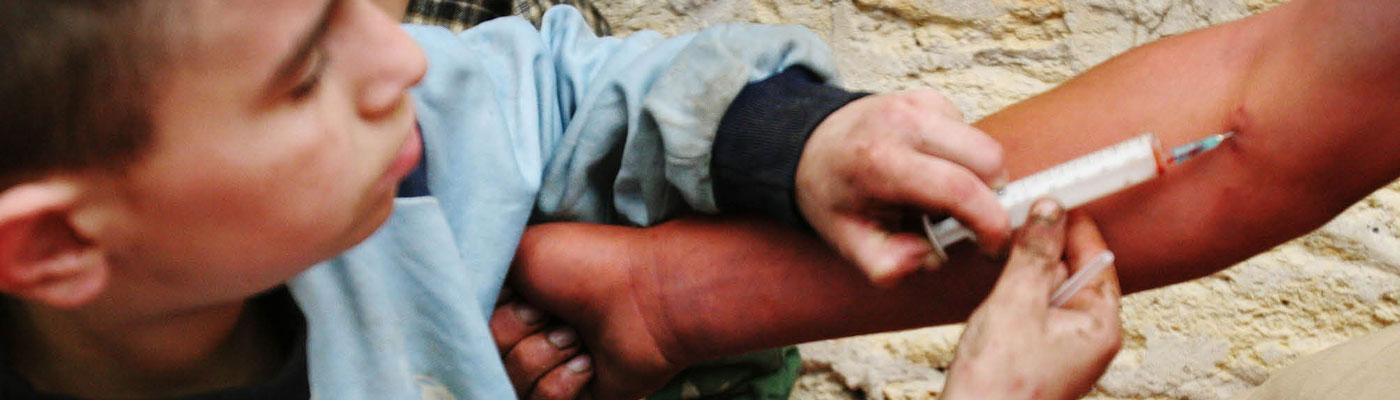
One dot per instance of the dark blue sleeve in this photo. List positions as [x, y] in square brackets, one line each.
[760, 140]
[415, 184]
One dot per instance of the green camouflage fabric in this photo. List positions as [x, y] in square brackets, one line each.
[765, 375]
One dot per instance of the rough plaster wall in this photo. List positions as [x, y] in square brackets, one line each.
[1206, 339]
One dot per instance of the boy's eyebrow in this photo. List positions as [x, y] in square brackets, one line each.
[305, 45]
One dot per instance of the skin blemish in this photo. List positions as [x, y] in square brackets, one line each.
[1240, 123]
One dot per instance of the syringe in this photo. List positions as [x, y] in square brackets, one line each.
[1078, 181]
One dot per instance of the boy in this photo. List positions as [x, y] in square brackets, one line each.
[158, 177]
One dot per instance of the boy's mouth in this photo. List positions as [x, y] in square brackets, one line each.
[406, 159]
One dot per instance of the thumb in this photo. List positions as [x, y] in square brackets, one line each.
[885, 257]
[1034, 264]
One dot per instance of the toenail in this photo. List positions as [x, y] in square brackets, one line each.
[528, 315]
[562, 338]
[580, 363]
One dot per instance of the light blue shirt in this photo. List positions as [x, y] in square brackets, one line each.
[523, 125]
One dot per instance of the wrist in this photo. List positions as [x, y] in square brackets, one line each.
[967, 380]
[760, 141]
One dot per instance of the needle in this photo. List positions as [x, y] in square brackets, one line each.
[1186, 151]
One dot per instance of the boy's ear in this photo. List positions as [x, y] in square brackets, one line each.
[42, 257]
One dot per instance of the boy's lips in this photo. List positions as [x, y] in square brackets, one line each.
[407, 158]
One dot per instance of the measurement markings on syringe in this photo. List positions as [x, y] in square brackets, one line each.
[1075, 171]
[1077, 182]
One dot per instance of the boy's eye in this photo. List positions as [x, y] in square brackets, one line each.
[310, 77]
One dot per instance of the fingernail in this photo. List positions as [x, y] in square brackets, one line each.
[1000, 181]
[579, 364]
[528, 315]
[562, 338]
[883, 273]
[1046, 210]
[932, 261]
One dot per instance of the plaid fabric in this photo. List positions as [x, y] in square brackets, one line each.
[459, 15]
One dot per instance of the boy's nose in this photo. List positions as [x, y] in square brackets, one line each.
[392, 62]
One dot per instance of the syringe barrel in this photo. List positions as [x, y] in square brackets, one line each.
[1073, 183]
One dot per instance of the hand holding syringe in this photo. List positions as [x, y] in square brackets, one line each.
[1076, 183]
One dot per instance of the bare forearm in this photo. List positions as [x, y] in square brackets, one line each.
[1310, 88]
[1316, 124]
[770, 286]
[711, 287]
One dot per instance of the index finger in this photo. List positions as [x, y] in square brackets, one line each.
[512, 322]
[941, 186]
[964, 145]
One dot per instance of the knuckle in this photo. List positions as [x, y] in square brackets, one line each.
[1108, 332]
[903, 102]
[863, 168]
[501, 335]
[959, 186]
[529, 360]
[1037, 251]
[508, 340]
[953, 111]
[874, 165]
[940, 103]
[900, 113]
[551, 389]
[999, 226]
[863, 151]
[993, 156]
[1112, 342]
[518, 364]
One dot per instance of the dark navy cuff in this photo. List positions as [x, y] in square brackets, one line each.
[760, 141]
[415, 184]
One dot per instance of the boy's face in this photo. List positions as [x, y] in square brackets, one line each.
[282, 128]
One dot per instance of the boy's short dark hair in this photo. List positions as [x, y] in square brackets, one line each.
[75, 83]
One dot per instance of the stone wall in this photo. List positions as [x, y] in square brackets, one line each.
[1201, 340]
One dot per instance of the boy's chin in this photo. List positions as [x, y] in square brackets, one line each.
[371, 221]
